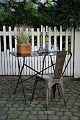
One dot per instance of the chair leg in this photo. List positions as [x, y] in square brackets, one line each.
[23, 91]
[58, 90]
[35, 84]
[47, 98]
[63, 94]
[54, 89]
[48, 93]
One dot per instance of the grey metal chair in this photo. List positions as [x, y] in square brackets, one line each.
[52, 81]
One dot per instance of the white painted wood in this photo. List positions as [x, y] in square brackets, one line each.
[15, 50]
[3, 63]
[55, 40]
[32, 35]
[33, 49]
[35, 62]
[41, 28]
[44, 37]
[10, 49]
[10, 66]
[66, 40]
[38, 38]
[27, 62]
[69, 68]
[60, 37]
[8, 62]
[72, 40]
[49, 46]
[5, 57]
[0, 58]
[77, 55]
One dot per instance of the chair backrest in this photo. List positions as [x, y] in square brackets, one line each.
[60, 59]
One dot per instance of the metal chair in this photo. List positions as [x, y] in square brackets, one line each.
[52, 81]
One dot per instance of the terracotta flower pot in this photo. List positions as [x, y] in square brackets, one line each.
[24, 48]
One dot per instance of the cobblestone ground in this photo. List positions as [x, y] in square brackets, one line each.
[12, 105]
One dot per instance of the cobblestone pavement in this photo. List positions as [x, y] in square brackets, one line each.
[12, 105]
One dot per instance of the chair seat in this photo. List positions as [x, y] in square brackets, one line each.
[46, 77]
[49, 80]
[49, 77]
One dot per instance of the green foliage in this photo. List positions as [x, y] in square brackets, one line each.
[61, 12]
[19, 13]
[22, 37]
[67, 13]
[24, 13]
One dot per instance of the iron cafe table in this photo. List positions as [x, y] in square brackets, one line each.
[32, 54]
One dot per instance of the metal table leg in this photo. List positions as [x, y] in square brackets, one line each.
[18, 81]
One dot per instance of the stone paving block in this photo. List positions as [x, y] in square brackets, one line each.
[77, 104]
[25, 112]
[32, 117]
[3, 117]
[74, 110]
[33, 112]
[77, 114]
[42, 117]
[50, 112]
[74, 118]
[3, 112]
[64, 109]
[59, 113]
[12, 116]
[20, 108]
[64, 117]
[37, 109]
[41, 112]
[22, 117]
[15, 105]
[67, 113]
[28, 108]
[75, 107]
[12, 108]
[8, 105]
[4, 109]
[55, 109]
[52, 117]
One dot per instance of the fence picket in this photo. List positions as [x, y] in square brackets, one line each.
[32, 35]
[5, 56]
[49, 46]
[72, 43]
[60, 37]
[44, 38]
[3, 63]
[66, 48]
[38, 38]
[10, 49]
[55, 40]
[0, 57]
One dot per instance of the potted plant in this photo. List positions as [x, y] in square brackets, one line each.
[23, 42]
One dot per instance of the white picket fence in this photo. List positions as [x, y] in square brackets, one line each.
[9, 63]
